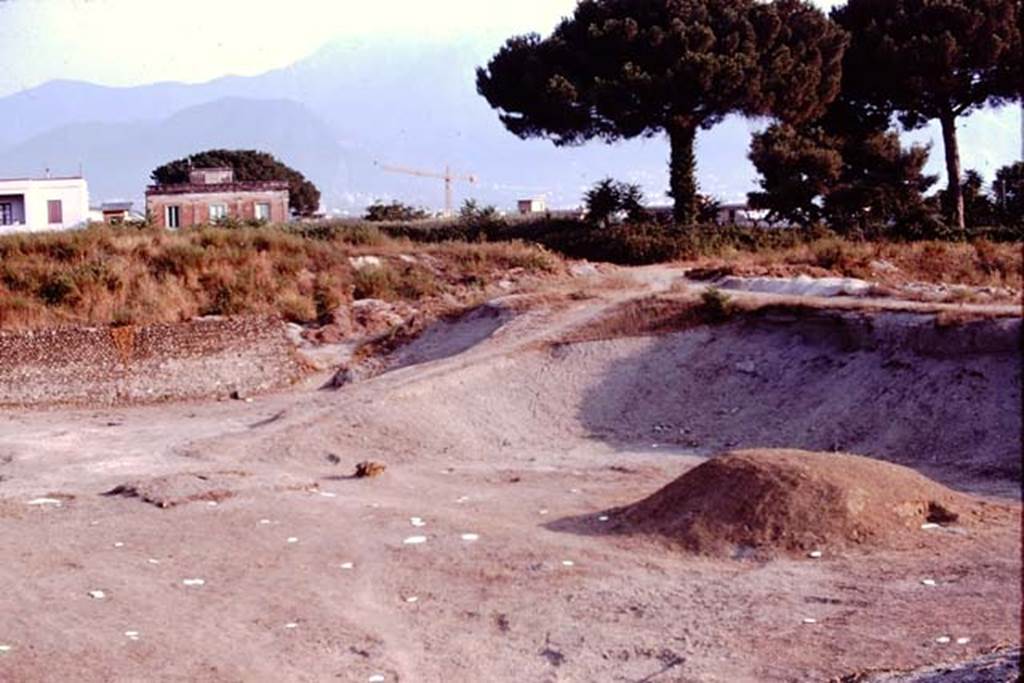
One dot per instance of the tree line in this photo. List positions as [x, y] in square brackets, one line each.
[832, 85]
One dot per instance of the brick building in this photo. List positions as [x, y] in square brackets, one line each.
[212, 194]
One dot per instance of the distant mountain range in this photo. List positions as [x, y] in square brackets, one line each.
[332, 116]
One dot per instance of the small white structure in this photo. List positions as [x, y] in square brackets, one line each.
[742, 215]
[529, 206]
[41, 204]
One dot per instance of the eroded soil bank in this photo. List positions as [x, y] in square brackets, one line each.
[237, 547]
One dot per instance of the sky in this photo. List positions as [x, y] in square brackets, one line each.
[132, 42]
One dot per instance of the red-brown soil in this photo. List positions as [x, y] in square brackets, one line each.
[788, 501]
[503, 448]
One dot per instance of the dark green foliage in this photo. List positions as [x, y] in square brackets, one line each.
[610, 199]
[472, 212]
[1008, 191]
[716, 305]
[393, 211]
[619, 69]
[933, 60]
[249, 165]
[797, 170]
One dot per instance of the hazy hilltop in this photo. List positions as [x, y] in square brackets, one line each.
[335, 113]
[331, 116]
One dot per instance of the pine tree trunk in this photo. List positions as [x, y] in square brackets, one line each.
[682, 174]
[952, 148]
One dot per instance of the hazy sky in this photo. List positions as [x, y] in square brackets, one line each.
[128, 42]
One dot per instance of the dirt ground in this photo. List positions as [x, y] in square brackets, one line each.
[227, 541]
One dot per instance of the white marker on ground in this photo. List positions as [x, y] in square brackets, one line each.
[942, 640]
[415, 540]
[97, 595]
[816, 555]
[347, 565]
[929, 582]
[568, 563]
[293, 539]
[810, 621]
[194, 582]
[470, 537]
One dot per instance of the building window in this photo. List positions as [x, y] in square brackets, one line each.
[172, 216]
[55, 211]
[263, 211]
[218, 212]
[6, 213]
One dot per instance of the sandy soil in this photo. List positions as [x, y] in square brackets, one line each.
[498, 438]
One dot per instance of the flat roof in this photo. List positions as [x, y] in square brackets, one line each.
[36, 180]
[218, 188]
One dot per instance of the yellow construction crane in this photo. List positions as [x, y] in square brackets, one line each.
[447, 176]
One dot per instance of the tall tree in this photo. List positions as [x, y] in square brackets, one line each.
[620, 69]
[934, 60]
[1008, 189]
[248, 165]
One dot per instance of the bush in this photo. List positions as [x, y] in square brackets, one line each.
[611, 201]
[716, 305]
[393, 211]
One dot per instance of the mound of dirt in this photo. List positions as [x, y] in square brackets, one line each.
[178, 489]
[768, 502]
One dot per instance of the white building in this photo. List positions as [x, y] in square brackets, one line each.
[741, 215]
[530, 206]
[41, 204]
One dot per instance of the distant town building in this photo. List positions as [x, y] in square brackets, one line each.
[742, 215]
[41, 204]
[212, 195]
[528, 206]
[115, 213]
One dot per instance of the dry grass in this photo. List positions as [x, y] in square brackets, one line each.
[975, 264]
[122, 276]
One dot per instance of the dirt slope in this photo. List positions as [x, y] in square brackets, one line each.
[766, 502]
[498, 442]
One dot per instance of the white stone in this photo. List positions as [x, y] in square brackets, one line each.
[415, 540]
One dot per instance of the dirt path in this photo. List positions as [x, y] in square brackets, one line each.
[504, 438]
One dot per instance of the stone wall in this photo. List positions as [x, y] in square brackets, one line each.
[97, 366]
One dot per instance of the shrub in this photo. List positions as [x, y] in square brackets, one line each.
[610, 201]
[716, 305]
[393, 211]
